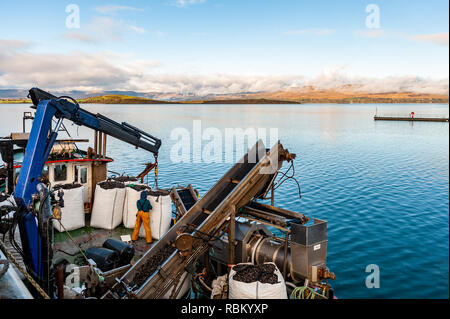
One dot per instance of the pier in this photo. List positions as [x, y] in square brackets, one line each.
[412, 117]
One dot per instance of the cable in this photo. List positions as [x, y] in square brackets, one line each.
[65, 252]
[12, 231]
[73, 241]
[285, 177]
[305, 292]
[70, 98]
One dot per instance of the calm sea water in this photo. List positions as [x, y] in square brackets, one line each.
[383, 187]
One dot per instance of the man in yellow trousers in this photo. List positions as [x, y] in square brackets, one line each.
[143, 216]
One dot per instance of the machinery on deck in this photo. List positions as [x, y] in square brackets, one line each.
[33, 199]
[213, 234]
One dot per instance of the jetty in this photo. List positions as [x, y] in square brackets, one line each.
[411, 117]
[416, 119]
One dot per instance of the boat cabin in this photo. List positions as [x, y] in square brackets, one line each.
[66, 164]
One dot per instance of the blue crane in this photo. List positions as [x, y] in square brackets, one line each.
[34, 237]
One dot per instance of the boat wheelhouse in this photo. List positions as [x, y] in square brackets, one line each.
[66, 163]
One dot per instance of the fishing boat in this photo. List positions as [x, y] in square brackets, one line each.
[217, 246]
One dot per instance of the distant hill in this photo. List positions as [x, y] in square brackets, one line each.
[120, 99]
[312, 95]
[345, 94]
[246, 101]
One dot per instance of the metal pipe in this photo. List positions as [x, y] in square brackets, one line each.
[286, 238]
[272, 198]
[104, 145]
[231, 235]
[100, 143]
[60, 281]
[95, 142]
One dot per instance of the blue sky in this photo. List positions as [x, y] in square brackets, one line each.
[183, 44]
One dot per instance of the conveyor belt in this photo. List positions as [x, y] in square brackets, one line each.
[206, 218]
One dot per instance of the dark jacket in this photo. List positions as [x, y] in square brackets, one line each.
[144, 204]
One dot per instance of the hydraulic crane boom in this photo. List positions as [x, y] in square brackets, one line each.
[41, 140]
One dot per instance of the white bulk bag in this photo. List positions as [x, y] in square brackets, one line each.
[257, 290]
[72, 214]
[130, 206]
[160, 216]
[108, 208]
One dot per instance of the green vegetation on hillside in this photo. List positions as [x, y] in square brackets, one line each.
[124, 99]
[119, 99]
[14, 101]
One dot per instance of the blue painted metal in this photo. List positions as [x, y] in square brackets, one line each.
[36, 152]
[34, 241]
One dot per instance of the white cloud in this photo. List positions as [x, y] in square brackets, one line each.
[75, 70]
[370, 33]
[437, 38]
[335, 78]
[22, 68]
[137, 29]
[82, 37]
[185, 3]
[114, 8]
[6, 44]
[317, 32]
[102, 29]
[202, 85]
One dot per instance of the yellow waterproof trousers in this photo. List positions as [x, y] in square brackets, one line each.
[142, 217]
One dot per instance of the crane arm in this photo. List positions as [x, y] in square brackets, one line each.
[41, 140]
[122, 131]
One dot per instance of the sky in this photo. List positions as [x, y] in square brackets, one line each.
[224, 46]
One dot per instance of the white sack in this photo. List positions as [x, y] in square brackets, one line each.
[129, 207]
[160, 216]
[257, 290]
[108, 208]
[72, 214]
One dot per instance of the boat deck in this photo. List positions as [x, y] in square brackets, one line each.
[87, 237]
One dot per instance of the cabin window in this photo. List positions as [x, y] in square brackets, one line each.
[81, 174]
[60, 172]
